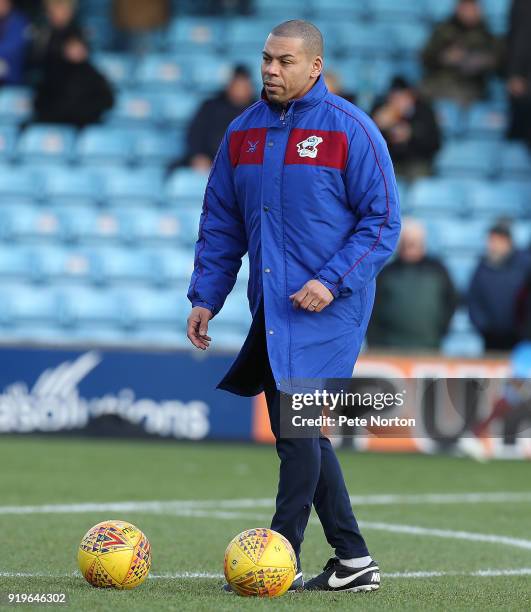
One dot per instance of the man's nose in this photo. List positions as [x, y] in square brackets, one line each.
[272, 69]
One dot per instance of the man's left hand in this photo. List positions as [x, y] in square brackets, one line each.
[314, 296]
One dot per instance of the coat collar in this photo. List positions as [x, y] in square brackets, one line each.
[299, 105]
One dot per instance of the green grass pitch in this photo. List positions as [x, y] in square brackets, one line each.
[478, 549]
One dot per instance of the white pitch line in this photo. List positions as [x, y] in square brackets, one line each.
[181, 505]
[483, 573]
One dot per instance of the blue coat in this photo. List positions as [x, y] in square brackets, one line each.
[308, 192]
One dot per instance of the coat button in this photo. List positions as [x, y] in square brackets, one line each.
[266, 208]
[271, 332]
[270, 143]
[267, 270]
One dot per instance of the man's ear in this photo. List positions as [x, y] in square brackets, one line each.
[317, 67]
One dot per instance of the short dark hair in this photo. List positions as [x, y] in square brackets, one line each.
[501, 228]
[299, 28]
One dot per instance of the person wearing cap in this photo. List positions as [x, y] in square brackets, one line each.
[208, 126]
[495, 289]
[409, 126]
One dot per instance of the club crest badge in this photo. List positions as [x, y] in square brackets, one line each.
[308, 147]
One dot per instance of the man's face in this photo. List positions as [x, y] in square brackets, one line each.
[498, 247]
[59, 14]
[5, 7]
[469, 13]
[288, 70]
[240, 91]
[412, 247]
[75, 51]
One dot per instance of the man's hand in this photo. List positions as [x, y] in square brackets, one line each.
[198, 327]
[314, 296]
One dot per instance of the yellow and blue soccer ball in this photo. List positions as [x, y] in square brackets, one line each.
[114, 554]
[260, 563]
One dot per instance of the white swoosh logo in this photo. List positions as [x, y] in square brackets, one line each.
[335, 583]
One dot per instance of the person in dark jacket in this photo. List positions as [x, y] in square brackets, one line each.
[208, 126]
[410, 128]
[519, 70]
[495, 290]
[13, 44]
[461, 55]
[72, 90]
[60, 25]
[415, 297]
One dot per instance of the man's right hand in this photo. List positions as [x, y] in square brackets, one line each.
[198, 327]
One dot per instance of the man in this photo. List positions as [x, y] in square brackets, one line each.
[415, 297]
[13, 44]
[304, 183]
[496, 288]
[519, 71]
[208, 126]
[461, 55]
[409, 126]
[72, 91]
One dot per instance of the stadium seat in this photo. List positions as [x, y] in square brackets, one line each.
[87, 224]
[86, 307]
[58, 264]
[467, 237]
[461, 321]
[467, 344]
[248, 36]
[45, 143]
[439, 10]
[132, 187]
[8, 138]
[450, 117]
[515, 161]
[15, 105]
[16, 263]
[25, 304]
[486, 120]
[28, 222]
[150, 226]
[196, 33]
[468, 158]
[369, 40]
[210, 74]
[101, 145]
[173, 265]
[70, 186]
[117, 67]
[157, 147]
[436, 196]
[151, 308]
[162, 72]
[396, 12]
[461, 267]
[353, 10]
[235, 314]
[409, 38]
[499, 199]
[176, 109]
[113, 264]
[189, 219]
[186, 184]
[133, 108]
[19, 184]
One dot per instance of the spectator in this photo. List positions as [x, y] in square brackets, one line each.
[519, 70]
[213, 117]
[333, 82]
[461, 55]
[72, 90]
[135, 21]
[60, 25]
[409, 126]
[415, 298]
[13, 43]
[495, 289]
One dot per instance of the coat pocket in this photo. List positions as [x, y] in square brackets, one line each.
[359, 303]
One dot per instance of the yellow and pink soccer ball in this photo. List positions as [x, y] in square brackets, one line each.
[114, 554]
[260, 563]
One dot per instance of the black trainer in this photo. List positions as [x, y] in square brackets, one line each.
[296, 585]
[337, 577]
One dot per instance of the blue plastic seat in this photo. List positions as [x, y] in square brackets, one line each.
[499, 199]
[177, 108]
[197, 33]
[61, 264]
[151, 226]
[114, 264]
[468, 158]
[390, 10]
[248, 36]
[461, 267]
[450, 117]
[157, 147]
[210, 74]
[88, 224]
[165, 309]
[439, 10]
[15, 104]
[43, 143]
[8, 138]
[466, 237]
[368, 39]
[134, 108]
[432, 196]
[117, 67]
[410, 38]
[487, 120]
[71, 186]
[19, 183]
[235, 314]
[132, 187]
[26, 304]
[173, 265]
[515, 161]
[101, 144]
[29, 222]
[186, 185]
[340, 9]
[466, 344]
[16, 263]
[85, 306]
[162, 71]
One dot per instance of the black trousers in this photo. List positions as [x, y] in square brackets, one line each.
[309, 469]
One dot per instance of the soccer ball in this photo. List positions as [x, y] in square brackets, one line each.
[260, 563]
[114, 554]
